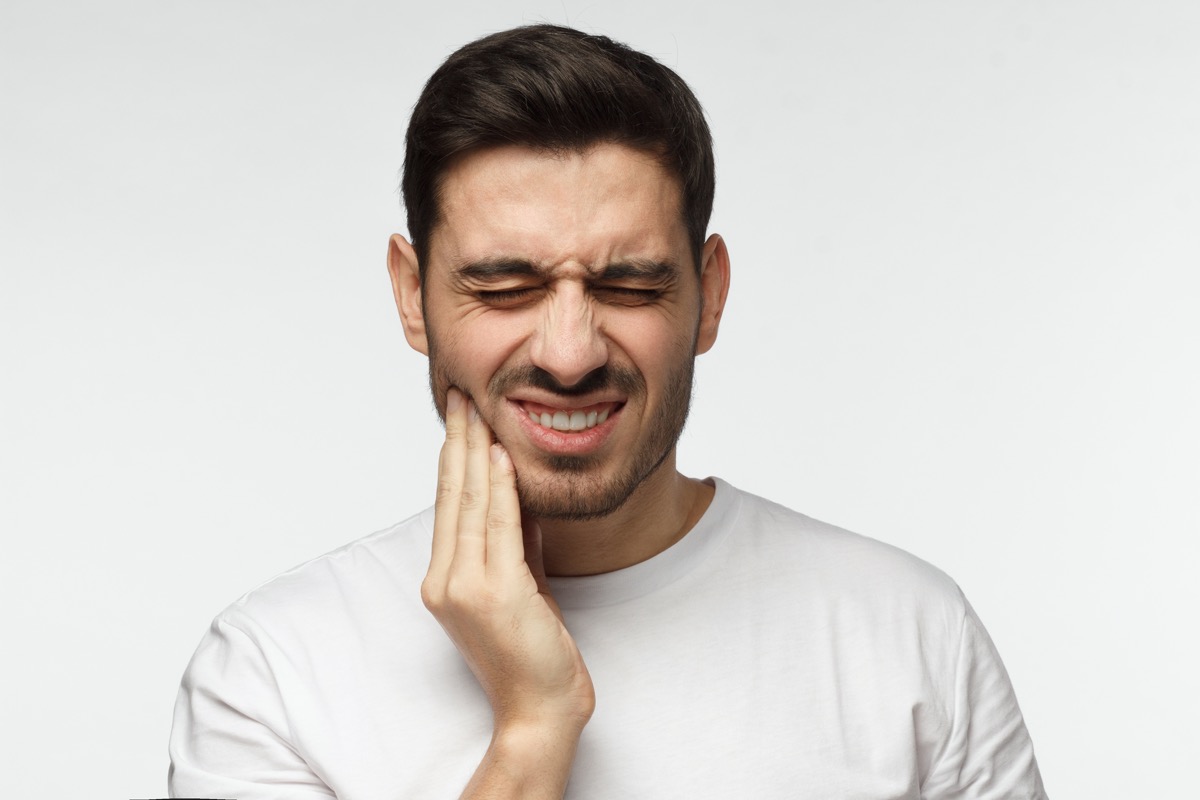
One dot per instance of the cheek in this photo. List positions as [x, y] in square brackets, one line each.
[468, 350]
[656, 346]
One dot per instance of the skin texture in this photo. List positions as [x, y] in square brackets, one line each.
[555, 282]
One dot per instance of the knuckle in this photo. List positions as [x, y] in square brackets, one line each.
[454, 589]
[432, 594]
[497, 523]
[458, 594]
[446, 489]
[473, 499]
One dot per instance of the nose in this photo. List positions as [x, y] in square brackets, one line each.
[568, 342]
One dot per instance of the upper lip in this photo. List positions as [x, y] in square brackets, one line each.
[566, 402]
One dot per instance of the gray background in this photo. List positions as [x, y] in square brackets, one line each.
[963, 320]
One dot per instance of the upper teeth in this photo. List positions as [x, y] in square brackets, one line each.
[573, 421]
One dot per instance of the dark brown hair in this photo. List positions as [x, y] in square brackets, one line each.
[555, 88]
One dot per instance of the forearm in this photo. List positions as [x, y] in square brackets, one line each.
[530, 763]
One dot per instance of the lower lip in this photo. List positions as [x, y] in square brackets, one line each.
[566, 442]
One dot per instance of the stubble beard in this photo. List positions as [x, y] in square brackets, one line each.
[569, 487]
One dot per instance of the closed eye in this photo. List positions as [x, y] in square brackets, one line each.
[627, 295]
[505, 297]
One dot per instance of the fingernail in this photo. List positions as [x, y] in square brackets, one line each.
[453, 400]
[497, 451]
[474, 412]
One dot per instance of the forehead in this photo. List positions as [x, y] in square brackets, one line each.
[592, 207]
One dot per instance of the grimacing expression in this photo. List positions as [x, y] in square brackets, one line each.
[568, 486]
[561, 295]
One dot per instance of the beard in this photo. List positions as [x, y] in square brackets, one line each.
[576, 487]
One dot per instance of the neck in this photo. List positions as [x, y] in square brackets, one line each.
[659, 513]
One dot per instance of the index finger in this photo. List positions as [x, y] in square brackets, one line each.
[451, 468]
[470, 542]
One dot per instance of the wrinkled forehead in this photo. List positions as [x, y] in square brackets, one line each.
[609, 201]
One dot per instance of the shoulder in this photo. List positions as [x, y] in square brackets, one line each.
[840, 565]
[301, 633]
[384, 568]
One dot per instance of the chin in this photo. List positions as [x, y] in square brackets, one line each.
[570, 494]
[577, 488]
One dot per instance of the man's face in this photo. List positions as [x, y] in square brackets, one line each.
[561, 295]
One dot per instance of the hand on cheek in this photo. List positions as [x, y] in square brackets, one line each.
[495, 607]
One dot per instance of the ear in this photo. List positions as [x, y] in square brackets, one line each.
[406, 286]
[714, 287]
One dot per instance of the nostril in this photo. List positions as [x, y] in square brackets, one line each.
[569, 358]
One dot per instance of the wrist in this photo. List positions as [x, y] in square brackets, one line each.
[535, 735]
[526, 715]
[527, 759]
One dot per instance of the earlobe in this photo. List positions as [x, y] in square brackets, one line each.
[714, 288]
[406, 287]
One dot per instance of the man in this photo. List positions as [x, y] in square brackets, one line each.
[601, 625]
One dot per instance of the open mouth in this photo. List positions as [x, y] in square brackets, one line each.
[569, 419]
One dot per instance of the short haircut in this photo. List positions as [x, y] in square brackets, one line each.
[558, 89]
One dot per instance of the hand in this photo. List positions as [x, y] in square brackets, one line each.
[488, 589]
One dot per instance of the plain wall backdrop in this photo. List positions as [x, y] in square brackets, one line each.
[963, 320]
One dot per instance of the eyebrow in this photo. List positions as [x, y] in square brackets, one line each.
[491, 269]
[494, 269]
[640, 269]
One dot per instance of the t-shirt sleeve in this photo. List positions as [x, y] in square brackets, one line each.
[987, 754]
[231, 736]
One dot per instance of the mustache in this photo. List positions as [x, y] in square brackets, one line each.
[623, 379]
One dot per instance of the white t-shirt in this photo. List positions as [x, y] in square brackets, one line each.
[765, 655]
